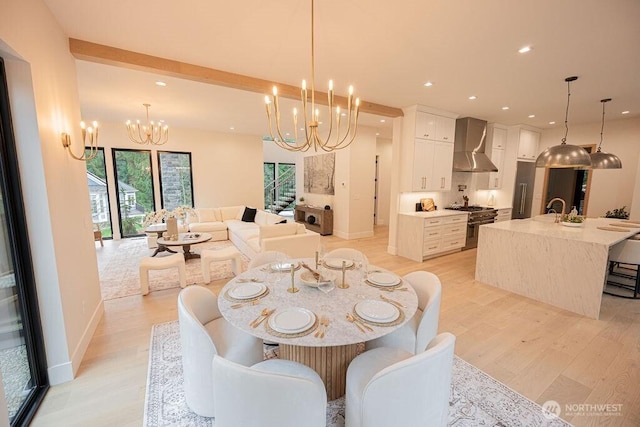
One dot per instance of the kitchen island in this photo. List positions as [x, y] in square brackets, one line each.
[552, 263]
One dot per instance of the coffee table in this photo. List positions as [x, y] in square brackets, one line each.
[185, 240]
[159, 229]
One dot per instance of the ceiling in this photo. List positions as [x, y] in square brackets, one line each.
[386, 49]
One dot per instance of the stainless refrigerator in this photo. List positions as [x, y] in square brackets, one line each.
[523, 193]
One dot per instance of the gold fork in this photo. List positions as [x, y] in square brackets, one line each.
[324, 322]
[242, 304]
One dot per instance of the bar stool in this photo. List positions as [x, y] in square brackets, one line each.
[161, 263]
[624, 262]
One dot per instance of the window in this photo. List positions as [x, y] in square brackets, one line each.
[135, 189]
[98, 194]
[176, 179]
[22, 356]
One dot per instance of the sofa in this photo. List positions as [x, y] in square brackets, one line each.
[252, 234]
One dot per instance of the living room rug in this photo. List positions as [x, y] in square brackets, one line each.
[476, 398]
[120, 277]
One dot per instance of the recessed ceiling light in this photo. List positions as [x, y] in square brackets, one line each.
[159, 83]
[301, 128]
[232, 128]
[319, 123]
[377, 133]
[552, 123]
[428, 84]
[531, 116]
[625, 112]
[287, 134]
[382, 120]
[472, 97]
[505, 108]
[525, 49]
[343, 114]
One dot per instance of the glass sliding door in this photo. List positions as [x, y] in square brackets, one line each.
[134, 186]
[269, 185]
[22, 355]
[98, 194]
[176, 180]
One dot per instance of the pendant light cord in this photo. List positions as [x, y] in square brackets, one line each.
[604, 101]
[566, 113]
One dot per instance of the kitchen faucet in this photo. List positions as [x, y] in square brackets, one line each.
[564, 207]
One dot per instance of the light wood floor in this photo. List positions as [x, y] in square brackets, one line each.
[543, 352]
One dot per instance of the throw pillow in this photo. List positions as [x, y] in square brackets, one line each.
[284, 221]
[249, 215]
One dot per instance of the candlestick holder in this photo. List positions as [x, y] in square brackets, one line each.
[293, 289]
[344, 284]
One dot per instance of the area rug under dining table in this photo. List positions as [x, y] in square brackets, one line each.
[476, 398]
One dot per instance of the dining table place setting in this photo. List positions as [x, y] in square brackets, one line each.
[245, 292]
[372, 298]
[301, 305]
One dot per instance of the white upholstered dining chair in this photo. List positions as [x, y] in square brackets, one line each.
[266, 257]
[414, 335]
[273, 393]
[203, 334]
[392, 387]
[348, 253]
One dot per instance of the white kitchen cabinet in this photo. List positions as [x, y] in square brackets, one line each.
[528, 145]
[434, 127]
[442, 166]
[498, 138]
[423, 153]
[432, 165]
[423, 237]
[504, 214]
[425, 125]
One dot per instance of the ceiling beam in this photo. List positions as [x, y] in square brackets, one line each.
[109, 55]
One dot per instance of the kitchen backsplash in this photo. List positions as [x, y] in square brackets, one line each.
[445, 198]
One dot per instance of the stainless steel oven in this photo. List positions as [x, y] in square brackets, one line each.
[477, 216]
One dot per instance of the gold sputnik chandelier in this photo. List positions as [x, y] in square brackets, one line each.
[312, 138]
[151, 133]
[92, 131]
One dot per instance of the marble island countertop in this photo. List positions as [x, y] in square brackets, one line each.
[544, 225]
[562, 266]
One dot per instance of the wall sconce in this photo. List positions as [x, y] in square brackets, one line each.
[93, 142]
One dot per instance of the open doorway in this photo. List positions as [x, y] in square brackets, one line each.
[571, 185]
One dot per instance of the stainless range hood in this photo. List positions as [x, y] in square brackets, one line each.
[468, 148]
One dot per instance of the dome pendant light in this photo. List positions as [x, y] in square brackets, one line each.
[600, 160]
[565, 155]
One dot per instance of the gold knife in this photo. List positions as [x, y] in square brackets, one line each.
[255, 325]
[390, 301]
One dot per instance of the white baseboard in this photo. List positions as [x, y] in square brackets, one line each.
[61, 373]
[349, 236]
[67, 371]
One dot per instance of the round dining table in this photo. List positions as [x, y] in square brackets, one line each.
[329, 354]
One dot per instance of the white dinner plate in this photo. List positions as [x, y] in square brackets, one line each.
[308, 279]
[284, 266]
[377, 311]
[382, 278]
[292, 320]
[247, 290]
[337, 262]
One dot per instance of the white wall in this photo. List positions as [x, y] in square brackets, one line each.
[611, 188]
[383, 151]
[43, 91]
